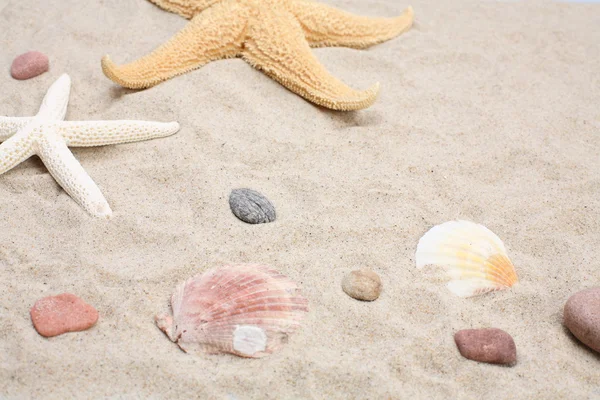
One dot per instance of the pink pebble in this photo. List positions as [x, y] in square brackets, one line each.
[29, 65]
[55, 315]
[491, 345]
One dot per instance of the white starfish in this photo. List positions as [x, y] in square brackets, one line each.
[48, 135]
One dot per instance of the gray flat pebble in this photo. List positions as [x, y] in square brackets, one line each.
[251, 206]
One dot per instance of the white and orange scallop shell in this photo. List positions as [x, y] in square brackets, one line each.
[247, 310]
[474, 257]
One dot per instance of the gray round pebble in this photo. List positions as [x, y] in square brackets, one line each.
[251, 206]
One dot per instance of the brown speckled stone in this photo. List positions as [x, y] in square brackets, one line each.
[489, 345]
[582, 317]
[29, 65]
[362, 284]
[55, 315]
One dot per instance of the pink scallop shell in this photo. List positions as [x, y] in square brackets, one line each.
[247, 310]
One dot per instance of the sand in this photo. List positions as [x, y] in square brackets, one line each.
[489, 111]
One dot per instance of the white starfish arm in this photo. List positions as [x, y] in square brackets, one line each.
[69, 174]
[15, 150]
[54, 105]
[100, 133]
[10, 125]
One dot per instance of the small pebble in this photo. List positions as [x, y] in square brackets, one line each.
[582, 317]
[489, 345]
[362, 284]
[251, 206]
[29, 65]
[55, 315]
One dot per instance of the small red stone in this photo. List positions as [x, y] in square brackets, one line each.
[55, 315]
[490, 345]
[29, 65]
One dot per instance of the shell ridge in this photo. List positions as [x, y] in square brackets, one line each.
[178, 298]
[291, 310]
[222, 338]
[222, 332]
[471, 265]
[227, 276]
[266, 297]
[439, 242]
[258, 301]
[247, 310]
[231, 282]
[229, 299]
[452, 229]
[474, 257]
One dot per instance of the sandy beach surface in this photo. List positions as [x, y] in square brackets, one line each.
[489, 111]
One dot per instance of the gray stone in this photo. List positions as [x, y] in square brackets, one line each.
[251, 206]
[582, 317]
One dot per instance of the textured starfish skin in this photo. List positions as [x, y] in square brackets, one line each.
[274, 36]
[48, 136]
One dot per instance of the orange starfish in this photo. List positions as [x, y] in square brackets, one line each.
[274, 36]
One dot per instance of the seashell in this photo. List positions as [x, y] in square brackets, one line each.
[251, 207]
[475, 258]
[362, 284]
[247, 310]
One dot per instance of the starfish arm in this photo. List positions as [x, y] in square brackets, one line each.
[54, 105]
[10, 125]
[276, 45]
[185, 8]
[70, 175]
[328, 26]
[215, 34]
[15, 150]
[101, 133]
